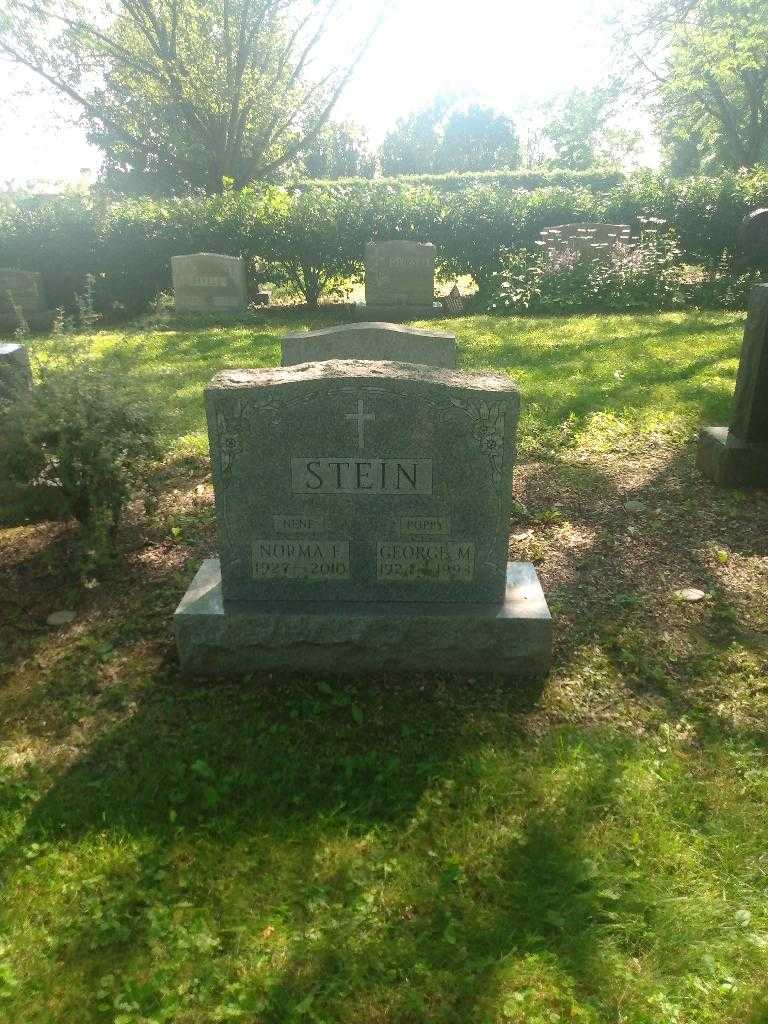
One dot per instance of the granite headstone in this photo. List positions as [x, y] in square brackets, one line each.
[21, 296]
[363, 519]
[370, 341]
[207, 282]
[737, 455]
[15, 373]
[753, 242]
[399, 281]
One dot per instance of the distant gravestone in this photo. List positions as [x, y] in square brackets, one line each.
[737, 455]
[590, 239]
[363, 519]
[15, 374]
[371, 341]
[399, 281]
[207, 282]
[753, 242]
[21, 297]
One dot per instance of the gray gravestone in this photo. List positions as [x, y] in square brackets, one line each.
[363, 520]
[15, 374]
[207, 282]
[399, 281]
[737, 456]
[592, 239]
[371, 341]
[21, 296]
[753, 242]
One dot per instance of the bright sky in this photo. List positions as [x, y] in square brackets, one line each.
[503, 53]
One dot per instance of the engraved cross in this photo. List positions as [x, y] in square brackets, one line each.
[361, 417]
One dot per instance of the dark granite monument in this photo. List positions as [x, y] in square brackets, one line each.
[737, 455]
[363, 520]
[752, 243]
[370, 341]
[15, 373]
[21, 299]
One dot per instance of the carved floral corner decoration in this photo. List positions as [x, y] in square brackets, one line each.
[230, 440]
[488, 432]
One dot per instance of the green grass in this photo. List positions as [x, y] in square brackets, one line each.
[448, 851]
[652, 372]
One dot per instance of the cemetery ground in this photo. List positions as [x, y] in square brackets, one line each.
[592, 848]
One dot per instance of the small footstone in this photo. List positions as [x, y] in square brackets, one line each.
[690, 594]
[62, 618]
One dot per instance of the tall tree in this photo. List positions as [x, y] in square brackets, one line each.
[704, 65]
[478, 139]
[412, 145]
[186, 93]
[582, 133]
[444, 137]
[341, 150]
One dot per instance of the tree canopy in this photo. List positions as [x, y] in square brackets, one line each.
[441, 138]
[186, 94]
[704, 66]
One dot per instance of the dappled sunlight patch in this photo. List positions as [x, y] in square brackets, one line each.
[534, 989]
[192, 444]
[602, 432]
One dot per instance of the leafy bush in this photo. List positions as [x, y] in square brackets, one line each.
[456, 181]
[83, 432]
[313, 235]
[640, 275]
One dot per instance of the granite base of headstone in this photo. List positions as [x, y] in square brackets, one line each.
[363, 519]
[737, 455]
[370, 341]
[15, 372]
[207, 282]
[512, 637]
[22, 301]
[399, 282]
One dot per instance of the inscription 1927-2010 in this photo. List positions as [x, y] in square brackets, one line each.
[300, 560]
[361, 476]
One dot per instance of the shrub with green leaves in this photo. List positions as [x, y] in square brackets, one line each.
[641, 275]
[312, 236]
[84, 432]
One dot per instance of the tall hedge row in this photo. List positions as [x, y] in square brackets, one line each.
[459, 181]
[312, 236]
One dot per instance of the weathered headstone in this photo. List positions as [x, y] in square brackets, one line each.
[737, 456]
[207, 282]
[399, 281]
[15, 374]
[753, 242]
[588, 238]
[21, 297]
[371, 341]
[363, 519]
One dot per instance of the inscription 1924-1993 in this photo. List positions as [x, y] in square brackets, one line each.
[429, 560]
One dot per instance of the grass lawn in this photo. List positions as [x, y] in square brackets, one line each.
[590, 849]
